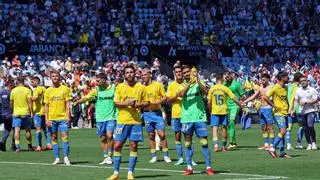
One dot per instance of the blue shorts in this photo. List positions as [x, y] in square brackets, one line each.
[153, 121]
[153, 116]
[151, 126]
[39, 120]
[200, 128]
[21, 121]
[281, 121]
[133, 131]
[59, 126]
[266, 116]
[176, 124]
[105, 127]
[294, 119]
[217, 120]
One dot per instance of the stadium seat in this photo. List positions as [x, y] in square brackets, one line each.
[6, 6]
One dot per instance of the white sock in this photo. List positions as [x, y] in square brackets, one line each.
[115, 172]
[208, 167]
[129, 172]
[189, 167]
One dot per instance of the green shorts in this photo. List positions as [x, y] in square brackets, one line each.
[233, 112]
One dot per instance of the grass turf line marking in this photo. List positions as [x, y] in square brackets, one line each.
[254, 176]
[265, 178]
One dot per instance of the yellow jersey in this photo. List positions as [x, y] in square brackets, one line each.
[218, 96]
[173, 89]
[38, 105]
[56, 99]
[248, 86]
[154, 92]
[256, 87]
[279, 96]
[19, 96]
[124, 92]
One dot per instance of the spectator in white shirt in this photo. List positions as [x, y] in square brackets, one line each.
[306, 97]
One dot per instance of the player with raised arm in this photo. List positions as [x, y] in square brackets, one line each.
[265, 112]
[103, 95]
[194, 118]
[173, 98]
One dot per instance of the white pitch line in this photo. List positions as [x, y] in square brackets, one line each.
[265, 178]
[253, 176]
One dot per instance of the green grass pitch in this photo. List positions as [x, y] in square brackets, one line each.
[246, 162]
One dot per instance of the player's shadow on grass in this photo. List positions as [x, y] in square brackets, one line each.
[142, 147]
[173, 160]
[247, 147]
[152, 176]
[296, 155]
[79, 162]
[216, 172]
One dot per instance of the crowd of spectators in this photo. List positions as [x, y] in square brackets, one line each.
[77, 74]
[115, 23]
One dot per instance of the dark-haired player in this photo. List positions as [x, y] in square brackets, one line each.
[233, 108]
[280, 110]
[194, 118]
[105, 114]
[265, 112]
[38, 111]
[6, 116]
[129, 99]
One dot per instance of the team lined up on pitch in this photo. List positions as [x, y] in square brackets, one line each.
[122, 108]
